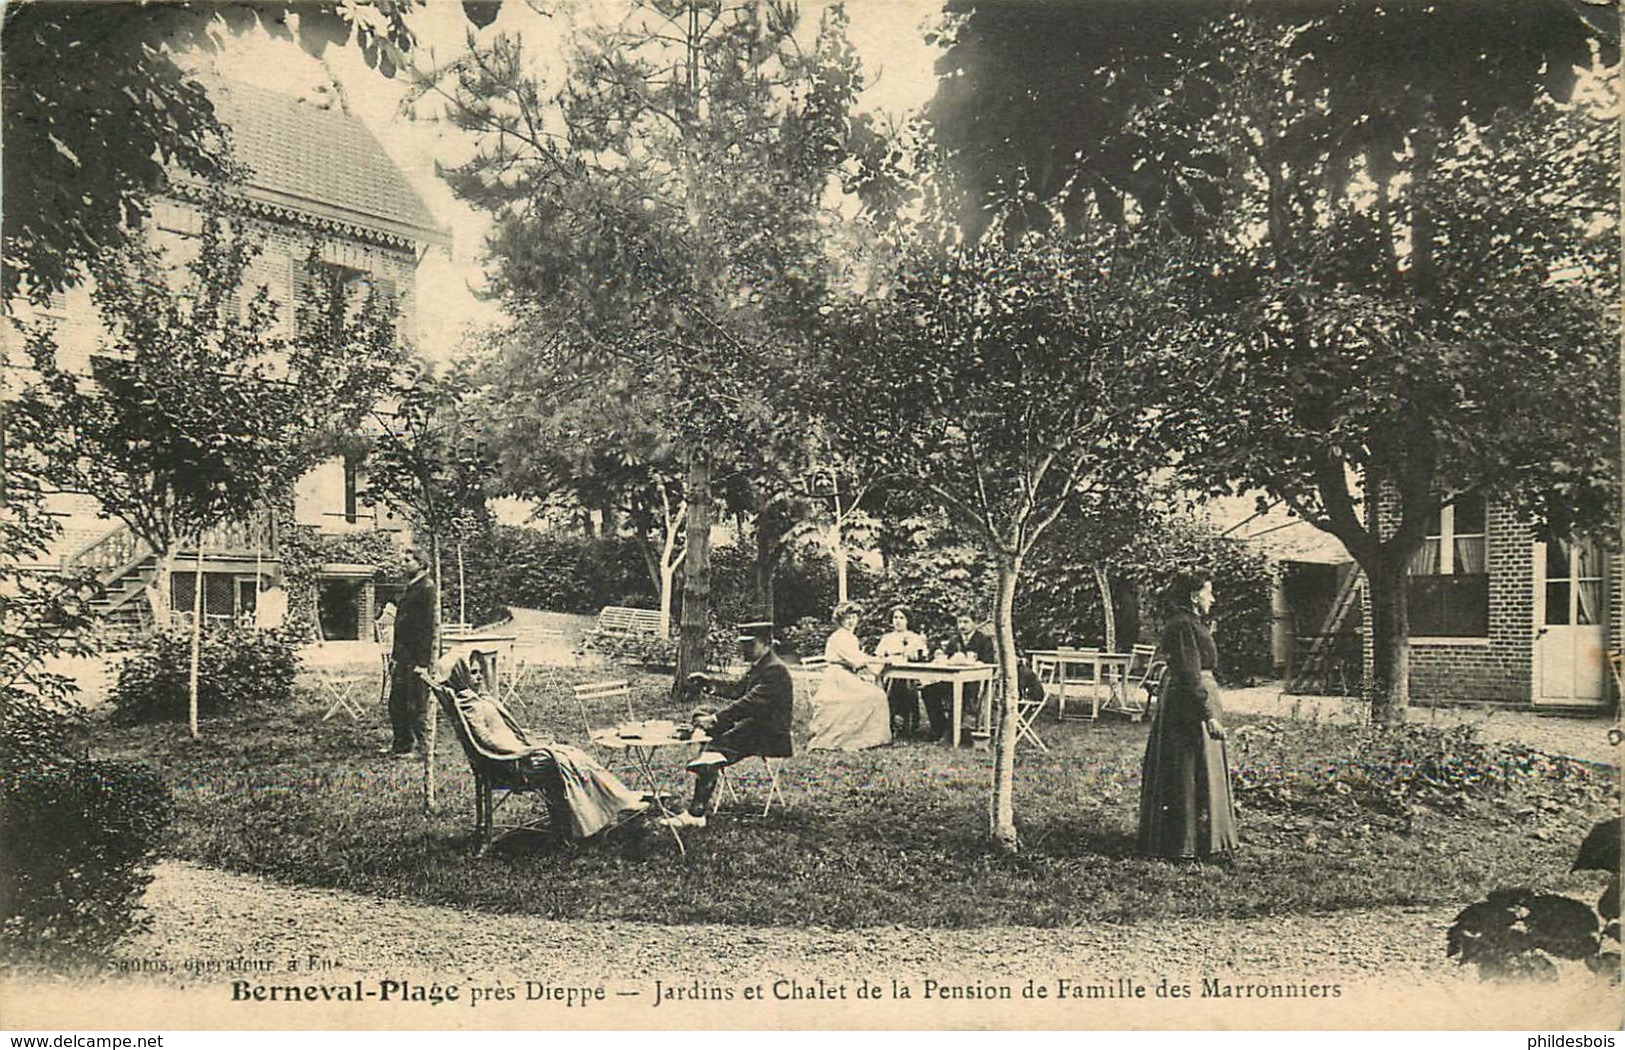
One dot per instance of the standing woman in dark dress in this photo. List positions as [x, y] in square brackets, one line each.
[1186, 811]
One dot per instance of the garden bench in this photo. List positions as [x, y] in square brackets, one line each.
[622, 622]
[806, 673]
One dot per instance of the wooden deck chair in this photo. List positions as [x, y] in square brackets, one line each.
[386, 679]
[498, 780]
[768, 778]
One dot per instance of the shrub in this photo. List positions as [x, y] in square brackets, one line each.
[236, 666]
[1385, 772]
[806, 637]
[1523, 934]
[534, 569]
[649, 651]
[937, 583]
[80, 840]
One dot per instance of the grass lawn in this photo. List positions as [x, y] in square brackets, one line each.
[1333, 817]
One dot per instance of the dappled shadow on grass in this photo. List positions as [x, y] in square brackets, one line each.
[1075, 840]
[892, 835]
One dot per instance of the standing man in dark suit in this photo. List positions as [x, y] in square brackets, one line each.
[968, 645]
[756, 723]
[413, 651]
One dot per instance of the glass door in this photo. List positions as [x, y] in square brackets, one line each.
[1570, 647]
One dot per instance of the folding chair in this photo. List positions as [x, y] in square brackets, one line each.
[1132, 697]
[769, 776]
[340, 692]
[591, 692]
[526, 672]
[1026, 714]
[1150, 685]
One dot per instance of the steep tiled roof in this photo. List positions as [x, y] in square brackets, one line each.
[321, 162]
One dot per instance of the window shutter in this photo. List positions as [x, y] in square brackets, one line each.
[351, 472]
[303, 283]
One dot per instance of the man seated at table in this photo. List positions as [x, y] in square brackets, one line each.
[968, 645]
[756, 723]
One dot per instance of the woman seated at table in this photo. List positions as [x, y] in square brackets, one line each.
[901, 645]
[850, 712]
[596, 798]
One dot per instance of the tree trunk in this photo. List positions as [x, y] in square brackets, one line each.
[462, 588]
[158, 590]
[1001, 806]
[767, 558]
[1108, 613]
[668, 566]
[696, 612]
[840, 561]
[434, 708]
[1390, 638]
[668, 572]
[197, 643]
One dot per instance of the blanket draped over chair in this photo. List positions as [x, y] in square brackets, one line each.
[583, 797]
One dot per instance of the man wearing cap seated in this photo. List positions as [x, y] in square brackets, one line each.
[756, 723]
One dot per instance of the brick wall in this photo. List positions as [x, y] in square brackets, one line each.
[1493, 669]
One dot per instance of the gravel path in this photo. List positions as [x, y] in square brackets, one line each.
[203, 913]
[216, 933]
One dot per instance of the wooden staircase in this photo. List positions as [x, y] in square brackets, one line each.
[1321, 667]
[124, 566]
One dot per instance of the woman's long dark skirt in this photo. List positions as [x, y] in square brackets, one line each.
[1186, 811]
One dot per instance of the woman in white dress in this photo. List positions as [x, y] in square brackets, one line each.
[850, 712]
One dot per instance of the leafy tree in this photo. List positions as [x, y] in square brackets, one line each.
[665, 209]
[593, 442]
[43, 616]
[1005, 386]
[430, 460]
[1389, 316]
[98, 111]
[194, 414]
[1406, 336]
[1049, 115]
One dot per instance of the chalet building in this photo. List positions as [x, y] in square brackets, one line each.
[1499, 615]
[318, 180]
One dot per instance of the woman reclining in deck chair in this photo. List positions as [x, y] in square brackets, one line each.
[597, 798]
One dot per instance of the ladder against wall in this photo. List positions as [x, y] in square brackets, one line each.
[1329, 661]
